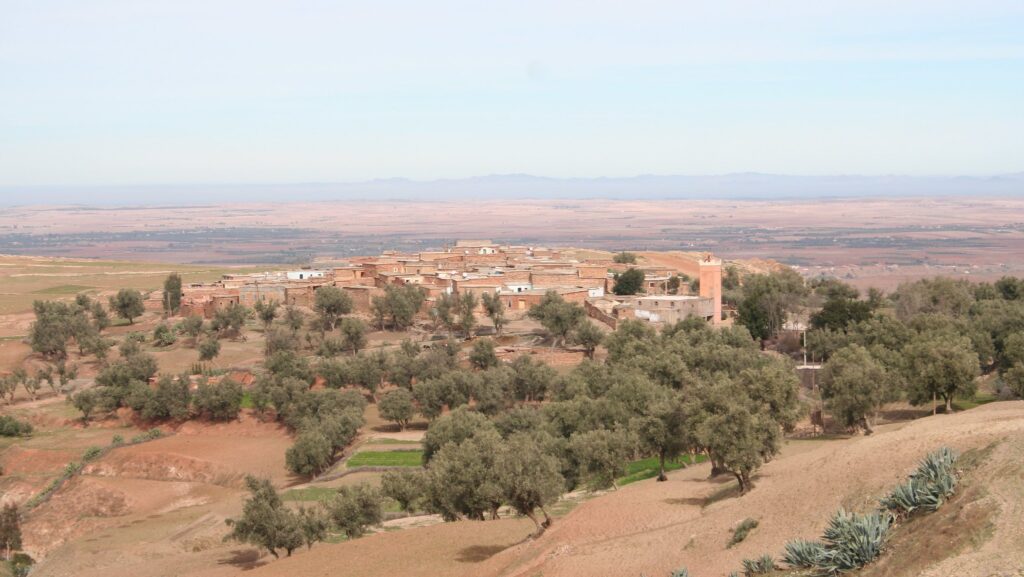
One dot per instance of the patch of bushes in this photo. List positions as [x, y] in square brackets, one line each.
[21, 564]
[69, 470]
[91, 454]
[150, 435]
[218, 402]
[742, 530]
[11, 427]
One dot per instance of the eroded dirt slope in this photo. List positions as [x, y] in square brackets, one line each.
[654, 527]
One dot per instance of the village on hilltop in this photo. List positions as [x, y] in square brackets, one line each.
[519, 275]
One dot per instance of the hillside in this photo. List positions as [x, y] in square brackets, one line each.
[654, 527]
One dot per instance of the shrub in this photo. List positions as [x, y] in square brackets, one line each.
[742, 530]
[209, 349]
[117, 441]
[164, 335]
[11, 427]
[21, 564]
[804, 554]
[150, 435]
[91, 454]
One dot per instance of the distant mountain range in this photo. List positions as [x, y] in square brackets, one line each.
[524, 186]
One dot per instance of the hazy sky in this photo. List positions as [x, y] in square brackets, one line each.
[254, 91]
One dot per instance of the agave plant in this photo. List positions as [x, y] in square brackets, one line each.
[761, 565]
[852, 541]
[903, 500]
[928, 487]
[936, 466]
[804, 554]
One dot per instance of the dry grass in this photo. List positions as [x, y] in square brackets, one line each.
[25, 279]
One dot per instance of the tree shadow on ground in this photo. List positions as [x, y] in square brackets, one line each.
[692, 501]
[393, 428]
[478, 553]
[245, 559]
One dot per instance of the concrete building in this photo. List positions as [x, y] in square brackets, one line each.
[305, 274]
[669, 309]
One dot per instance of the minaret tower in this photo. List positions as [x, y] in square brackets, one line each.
[711, 284]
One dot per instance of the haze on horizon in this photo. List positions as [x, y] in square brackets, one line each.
[119, 93]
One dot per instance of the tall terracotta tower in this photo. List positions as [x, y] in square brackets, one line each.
[711, 284]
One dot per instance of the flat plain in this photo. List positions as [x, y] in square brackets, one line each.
[867, 241]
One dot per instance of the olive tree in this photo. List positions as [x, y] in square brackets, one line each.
[494, 309]
[482, 356]
[588, 336]
[266, 522]
[557, 316]
[529, 478]
[462, 478]
[311, 454]
[854, 386]
[353, 334]
[405, 486]
[127, 304]
[355, 509]
[172, 293]
[940, 367]
[601, 456]
[397, 406]
[331, 303]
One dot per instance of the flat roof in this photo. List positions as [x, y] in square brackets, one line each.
[671, 298]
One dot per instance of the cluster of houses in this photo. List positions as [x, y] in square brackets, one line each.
[519, 275]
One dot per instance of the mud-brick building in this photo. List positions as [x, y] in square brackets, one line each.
[352, 275]
[526, 300]
[250, 294]
[362, 296]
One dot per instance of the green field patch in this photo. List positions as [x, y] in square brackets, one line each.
[979, 399]
[412, 458]
[64, 289]
[648, 468]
